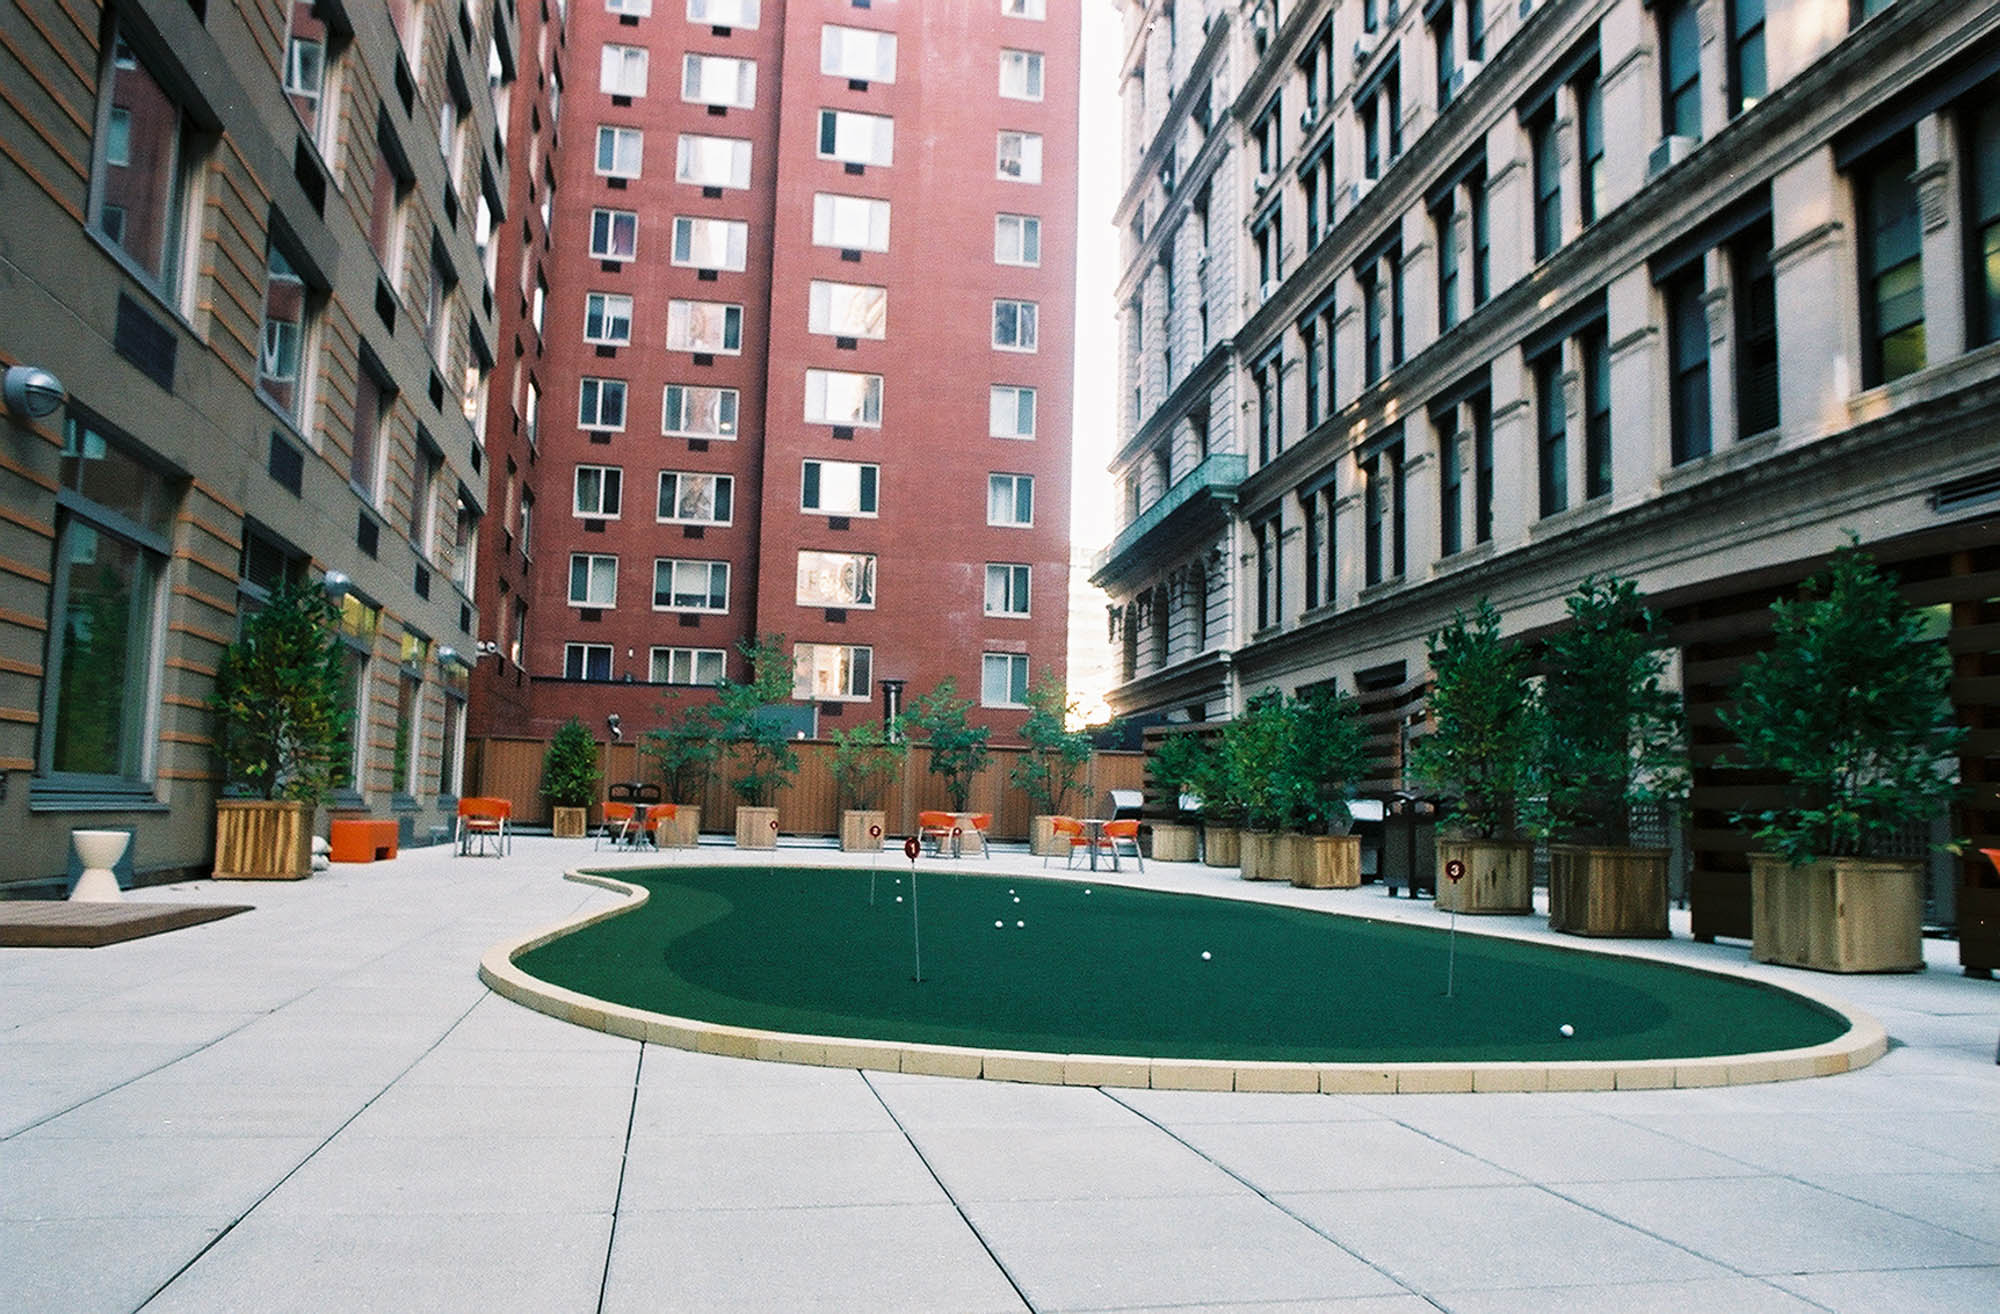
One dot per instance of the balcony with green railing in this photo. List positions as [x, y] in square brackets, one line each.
[1205, 488]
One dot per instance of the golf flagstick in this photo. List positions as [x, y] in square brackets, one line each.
[910, 850]
[875, 863]
[1454, 871]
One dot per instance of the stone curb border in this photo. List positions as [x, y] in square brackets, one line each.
[1863, 1042]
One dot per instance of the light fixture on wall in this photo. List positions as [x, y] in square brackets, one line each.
[488, 648]
[32, 392]
[611, 720]
[337, 584]
[446, 654]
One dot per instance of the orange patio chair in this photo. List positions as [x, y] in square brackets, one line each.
[484, 821]
[618, 823]
[982, 822]
[935, 828]
[1117, 833]
[1065, 833]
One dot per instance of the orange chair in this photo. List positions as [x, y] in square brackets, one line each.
[484, 821]
[1065, 833]
[935, 828]
[660, 817]
[619, 819]
[1121, 832]
[981, 823]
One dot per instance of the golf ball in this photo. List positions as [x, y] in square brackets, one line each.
[1567, 1029]
[1017, 898]
[899, 898]
[999, 923]
[1206, 955]
[1020, 923]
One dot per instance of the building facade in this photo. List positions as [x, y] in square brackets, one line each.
[246, 241]
[796, 362]
[1683, 289]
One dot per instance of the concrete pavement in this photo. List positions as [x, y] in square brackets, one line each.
[317, 1106]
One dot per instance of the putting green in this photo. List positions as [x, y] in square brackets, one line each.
[1017, 963]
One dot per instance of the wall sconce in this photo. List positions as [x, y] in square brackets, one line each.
[337, 584]
[611, 720]
[488, 648]
[447, 653]
[33, 393]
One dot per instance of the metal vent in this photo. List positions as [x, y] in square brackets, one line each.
[1969, 491]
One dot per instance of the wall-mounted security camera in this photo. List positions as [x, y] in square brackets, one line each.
[33, 393]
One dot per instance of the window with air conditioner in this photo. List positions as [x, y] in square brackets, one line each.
[712, 161]
[687, 411]
[841, 397]
[689, 497]
[847, 310]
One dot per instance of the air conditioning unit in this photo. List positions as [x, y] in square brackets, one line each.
[1462, 76]
[1263, 182]
[1670, 151]
[1167, 177]
[1364, 46]
[1307, 117]
[1357, 191]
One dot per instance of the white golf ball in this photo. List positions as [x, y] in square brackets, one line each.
[1567, 1029]
[899, 898]
[1017, 898]
[999, 923]
[1020, 923]
[1205, 955]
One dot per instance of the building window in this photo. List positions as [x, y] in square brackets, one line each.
[372, 401]
[719, 80]
[1381, 114]
[586, 661]
[1755, 285]
[622, 71]
[847, 310]
[1374, 316]
[619, 151]
[1014, 325]
[856, 138]
[1317, 181]
[690, 412]
[1010, 500]
[717, 13]
[113, 538]
[1017, 239]
[1892, 267]
[1003, 679]
[600, 404]
[690, 585]
[614, 234]
[1020, 75]
[704, 326]
[1315, 511]
[1593, 347]
[308, 74]
[1021, 156]
[839, 488]
[639, 8]
[1451, 483]
[689, 498]
[1267, 236]
[607, 319]
[1270, 540]
[1481, 410]
[836, 579]
[1982, 229]
[593, 580]
[1680, 68]
[144, 174]
[527, 526]
[1590, 142]
[597, 491]
[1482, 238]
[839, 397]
[696, 666]
[454, 680]
[531, 413]
[1442, 39]
[1442, 225]
[711, 243]
[282, 355]
[1318, 400]
[1747, 79]
[1548, 186]
[1023, 9]
[857, 53]
[1269, 378]
[853, 223]
[1006, 589]
[1552, 435]
[1382, 506]
[1012, 413]
[712, 161]
[408, 749]
[359, 621]
[832, 672]
[1687, 347]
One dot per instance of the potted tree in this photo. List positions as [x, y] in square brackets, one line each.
[282, 713]
[1612, 741]
[1193, 761]
[865, 760]
[1054, 762]
[1848, 707]
[1255, 747]
[685, 748]
[761, 752]
[958, 748]
[1323, 758]
[1479, 755]
[569, 779]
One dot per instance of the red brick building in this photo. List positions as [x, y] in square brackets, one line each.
[794, 358]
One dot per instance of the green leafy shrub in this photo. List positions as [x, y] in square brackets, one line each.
[1485, 725]
[958, 750]
[866, 760]
[569, 766]
[281, 699]
[1057, 755]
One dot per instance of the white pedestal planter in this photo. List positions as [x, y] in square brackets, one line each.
[100, 851]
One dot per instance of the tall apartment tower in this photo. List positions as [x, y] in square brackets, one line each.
[797, 359]
[251, 243]
[1497, 294]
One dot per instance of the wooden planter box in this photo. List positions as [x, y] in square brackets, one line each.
[1259, 850]
[1042, 837]
[569, 823]
[257, 840]
[854, 828]
[684, 831]
[1171, 841]
[1838, 914]
[1221, 846]
[1324, 862]
[1499, 876]
[756, 828]
[1608, 892]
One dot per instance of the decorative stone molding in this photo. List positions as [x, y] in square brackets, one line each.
[1931, 194]
[1715, 304]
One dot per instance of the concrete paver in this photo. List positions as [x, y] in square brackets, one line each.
[316, 1105]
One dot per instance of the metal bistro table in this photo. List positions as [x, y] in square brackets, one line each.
[1093, 833]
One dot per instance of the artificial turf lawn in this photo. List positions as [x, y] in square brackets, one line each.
[1101, 970]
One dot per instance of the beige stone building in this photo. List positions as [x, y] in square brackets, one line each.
[253, 243]
[1470, 300]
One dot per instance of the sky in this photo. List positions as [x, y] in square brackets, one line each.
[1093, 518]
